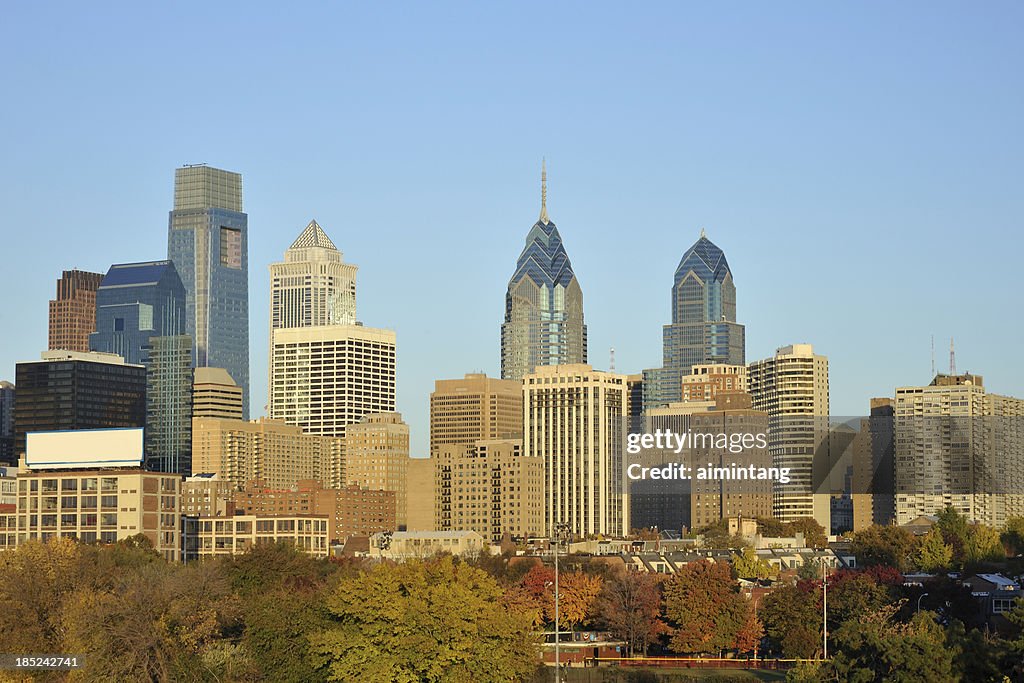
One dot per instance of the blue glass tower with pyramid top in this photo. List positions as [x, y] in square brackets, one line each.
[543, 305]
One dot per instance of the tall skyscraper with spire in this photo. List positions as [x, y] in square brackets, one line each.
[208, 240]
[703, 329]
[312, 286]
[543, 305]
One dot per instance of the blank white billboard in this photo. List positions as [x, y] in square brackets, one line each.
[83, 448]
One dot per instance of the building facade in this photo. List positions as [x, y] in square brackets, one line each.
[237, 534]
[313, 286]
[376, 452]
[73, 311]
[7, 398]
[68, 390]
[574, 420]
[873, 468]
[490, 488]
[350, 511]
[703, 328]
[543, 304]
[269, 450]
[464, 411]
[207, 240]
[101, 505]
[792, 387]
[215, 394]
[134, 303]
[325, 378]
[957, 446]
[169, 381]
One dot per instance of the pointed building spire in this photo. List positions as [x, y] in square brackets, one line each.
[702, 234]
[544, 191]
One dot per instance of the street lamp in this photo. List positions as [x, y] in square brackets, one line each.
[919, 602]
[561, 530]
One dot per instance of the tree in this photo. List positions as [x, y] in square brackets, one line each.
[854, 594]
[630, 607]
[983, 545]
[748, 565]
[577, 593]
[890, 546]
[429, 621]
[1013, 536]
[792, 619]
[706, 609]
[933, 553]
[954, 530]
[877, 648]
[814, 534]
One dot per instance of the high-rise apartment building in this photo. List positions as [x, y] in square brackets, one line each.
[270, 450]
[792, 387]
[73, 312]
[419, 502]
[215, 394]
[703, 328]
[208, 240]
[873, 472]
[476, 407]
[69, 390]
[490, 488]
[671, 504]
[543, 305]
[313, 286]
[956, 445]
[573, 419]
[7, 396]
[376, 453]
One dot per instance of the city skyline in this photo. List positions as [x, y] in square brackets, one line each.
[854, 172]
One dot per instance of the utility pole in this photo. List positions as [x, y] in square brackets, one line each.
[560, 530]
[824, 608]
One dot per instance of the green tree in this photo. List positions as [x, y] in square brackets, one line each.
[933, 553]
[954, 528]
[630, 608]
[814, 534]
[1013, 536]
[889, 546]
[748, 565]
[706, 609]
[878, 648]
[792, 619]
[983, 545]
[423, 621]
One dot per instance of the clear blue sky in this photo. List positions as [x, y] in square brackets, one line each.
[859, 163]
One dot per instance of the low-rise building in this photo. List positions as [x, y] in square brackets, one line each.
[237, 534]
[407, 545]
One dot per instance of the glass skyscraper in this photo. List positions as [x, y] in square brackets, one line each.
[543, 305]
[134, 302]
[704, 328]
[140, 315]
[208, 241]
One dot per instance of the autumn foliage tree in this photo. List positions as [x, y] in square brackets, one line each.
[630, 608]
[706, 610]
[431, 621]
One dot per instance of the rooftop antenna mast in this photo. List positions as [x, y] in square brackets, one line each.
[933, 355]
[611, 361]
[952, 359]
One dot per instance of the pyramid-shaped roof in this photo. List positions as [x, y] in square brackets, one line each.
[544, 260]
[313, 236]
[705, 259]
